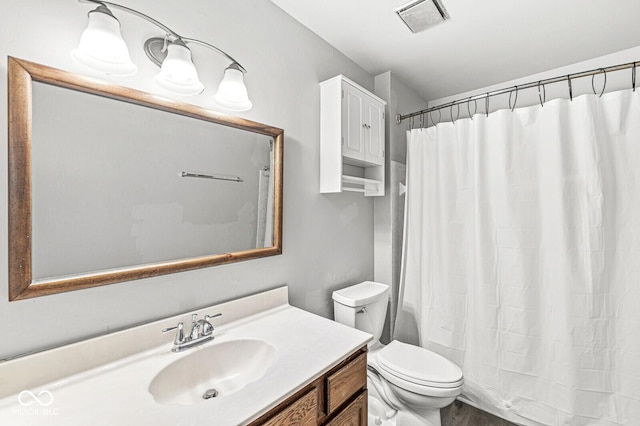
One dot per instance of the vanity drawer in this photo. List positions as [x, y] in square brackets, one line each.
[346, 382]
[303, 411]
[355, 414]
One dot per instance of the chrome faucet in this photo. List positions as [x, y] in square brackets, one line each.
[201, 332]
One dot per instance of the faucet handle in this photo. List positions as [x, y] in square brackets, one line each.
[208, 317]
[207, 327]
[179, 334]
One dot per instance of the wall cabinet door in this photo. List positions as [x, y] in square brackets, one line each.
[353, 132]
[374, 133]
[363, 126]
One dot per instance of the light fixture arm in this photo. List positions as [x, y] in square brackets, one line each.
[212, 47]
[167, 30]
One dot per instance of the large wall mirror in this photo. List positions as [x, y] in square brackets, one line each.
[109, 184]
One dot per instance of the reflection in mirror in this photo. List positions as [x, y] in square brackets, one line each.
[108, 188]
[126, 186]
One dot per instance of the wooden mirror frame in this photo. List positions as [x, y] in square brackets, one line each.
[21, 75]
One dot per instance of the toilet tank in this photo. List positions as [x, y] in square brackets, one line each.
[362, 306]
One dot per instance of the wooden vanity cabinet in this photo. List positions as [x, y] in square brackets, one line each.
[337, 398]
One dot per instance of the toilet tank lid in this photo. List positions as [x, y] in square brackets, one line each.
[361, 294]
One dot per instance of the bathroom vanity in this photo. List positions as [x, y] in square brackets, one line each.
[268, 364]
[338, 397]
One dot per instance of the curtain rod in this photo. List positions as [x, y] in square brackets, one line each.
[539, 84]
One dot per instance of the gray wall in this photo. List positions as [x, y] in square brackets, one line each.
[389, 210]
[328, 239]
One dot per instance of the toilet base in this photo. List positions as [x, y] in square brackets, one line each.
[408, 418]
[381, 414]
[412, 409]
[377, 414]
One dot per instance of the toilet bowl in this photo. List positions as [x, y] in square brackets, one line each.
[410, 383]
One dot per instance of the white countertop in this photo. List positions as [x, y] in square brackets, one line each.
[117, 393]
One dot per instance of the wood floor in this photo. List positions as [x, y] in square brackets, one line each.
[461, 414]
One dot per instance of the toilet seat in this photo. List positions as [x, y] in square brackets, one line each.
[419, 370]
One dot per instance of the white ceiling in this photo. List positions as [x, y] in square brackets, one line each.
[485, 42]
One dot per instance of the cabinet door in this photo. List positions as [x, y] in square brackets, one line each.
[374, 132]
[302, 412]
[352, 123]
[355, 414]
[346, 382]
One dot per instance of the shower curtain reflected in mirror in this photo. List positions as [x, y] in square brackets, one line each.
[264, 231]
[521, 258]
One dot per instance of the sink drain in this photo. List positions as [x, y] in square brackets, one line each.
[210, 393]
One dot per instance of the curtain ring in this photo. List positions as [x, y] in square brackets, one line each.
[439, 118]
[451, 112]
[543, 97]
[475, 103]
[411, 123]
[593, 87]
[422, 120]
[633, 77]
[515, 101]
[570, 88]
[486, 105]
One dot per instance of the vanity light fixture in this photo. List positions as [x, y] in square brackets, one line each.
[103, 49]
[101, 45]
[177, 72]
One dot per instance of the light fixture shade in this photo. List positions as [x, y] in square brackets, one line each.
[177, 73]
[101, 45]
[232, 93]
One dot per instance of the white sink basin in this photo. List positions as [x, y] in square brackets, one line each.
[227, 367]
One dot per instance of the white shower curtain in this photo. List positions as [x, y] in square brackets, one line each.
[522, 258]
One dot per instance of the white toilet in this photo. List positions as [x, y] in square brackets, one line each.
[408, 385]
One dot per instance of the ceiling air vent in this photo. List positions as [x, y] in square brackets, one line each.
[419, 15]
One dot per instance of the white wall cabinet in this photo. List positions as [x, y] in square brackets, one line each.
[352, 138]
